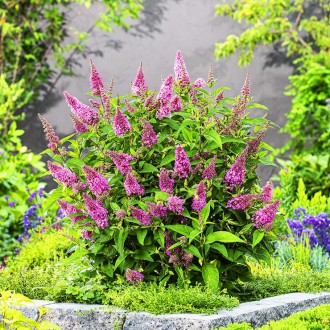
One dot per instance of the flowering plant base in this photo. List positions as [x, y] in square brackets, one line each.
[161, 184]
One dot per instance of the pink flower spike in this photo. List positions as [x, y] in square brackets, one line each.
[97, 183]
[54, 141]
[120, 214]
[62, 174]
[267, 193]
[121, 160]
[142, 216]
[264, 217]
[129, 107]
[139, 86]
[95, 79]
[157, 210]
[133, 276]
[180, 70]
[132, 186]
[220, 96]
[121, 124]
[175, 204]
[163, 111]
[78, 125]
[165, 93]
[241, 202]
[97, 212]
[169, 241]
[199, 201]
[182, 164]
[176, 105]
[236, 173]
[149, 101]
[165, 182]
[82, 111]
[149, 136]
[69, 209]
[86, 234]
[209, 171]
[199, 83]
[245, 91]
[94, 104]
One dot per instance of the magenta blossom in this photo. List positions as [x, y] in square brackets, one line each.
[180, 70]
[241, 202]
[163, 111]
[82, 111]
[220, 96]
[175, 204]
[209, 171]
[199, 200]
[169, 241]
[121, 124]
[165, 93]
[78, 125]
[182, 165]
[97, 183]
[245, 91]
[133, 276]
[199, 83]
[165, 182]
[95, 80]
[267, 193]
[54, 141]
[149, 101]
[142, 216]
[264, 217]
[86, 234]
[69, 209]
[176, 105]
[236, 173]
[157, 210]
[97, 212]
[132, 186]
[120, 214]
[62, 174]
[149, 136]
[121, 160]
[129, 107]
[139, 85]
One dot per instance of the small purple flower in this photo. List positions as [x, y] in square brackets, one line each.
[86, 234]
[264, 217]
[267, 193]
[182, 165]
[236, 173]
[163, 111]
[95, 79]
[175, 204]
[120, 214]
[132, 187]
[220, 96]
[245, 91]
[97, 212]
[133, 276]
[199, 83]
[254, 144]
[53, 139]
[165, 182]
[69, 209]
[97, 183]
[78, 125]
[149, 137]
[209, 171]
[142, 216]
[121, 124]
[139, 85]
[199, 200]
[12, 204]
[129, 107]
[157, 210]
[166, 90]
[121, 160]
[62, 174]
[241, 202]
[82, 111]
[175, 104]
[180, 70]
[169, 241]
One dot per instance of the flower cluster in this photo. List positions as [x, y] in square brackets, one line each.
[199, 200]
[121, 160]
[264, 217]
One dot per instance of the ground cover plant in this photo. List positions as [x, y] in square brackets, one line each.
[163, 187]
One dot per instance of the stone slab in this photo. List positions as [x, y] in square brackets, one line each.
[93, 317]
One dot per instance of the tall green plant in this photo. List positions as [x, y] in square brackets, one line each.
[167, 190]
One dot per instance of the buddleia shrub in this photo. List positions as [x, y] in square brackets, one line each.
[163, 185]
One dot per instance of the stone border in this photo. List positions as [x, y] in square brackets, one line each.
[95, 317]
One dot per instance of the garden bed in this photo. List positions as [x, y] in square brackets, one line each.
[257, 313]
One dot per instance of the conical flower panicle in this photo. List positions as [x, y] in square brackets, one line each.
[121, 124]
[94, 104]
[236, 173]
[139, 86]
[180, 71]
[175, 104]
[157, 210]
[254, 144]
[69, 209]
[95, 79]
[62, 174]
[142, 216]
[242, 202]
[82, 111]
[121, 160]
[165, 182]
[133, 276]
[267, 193]
[86, 234]
[105, 102]
[149, 100]
[245, 91]
[54, 141]
[129, 107]
[199, 83]
[264, 217]
[97, 212]
[209, 171]
[210, 77]
[120, 214]
[175, 204]
[78, 125]
[169, 241]
[132, 186]
[182, 165]
[149, 136]
[97, 183]
[164, 97]
[220, 96]
[199, 200]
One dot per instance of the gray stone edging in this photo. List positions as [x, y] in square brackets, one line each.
[94, 317]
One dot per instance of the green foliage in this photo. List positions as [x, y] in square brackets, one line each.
[312, 319]
[12, 318]
[215, 239]
[302, 29]
[33, 31]
[157, 299]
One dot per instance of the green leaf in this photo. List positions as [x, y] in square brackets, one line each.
[67, 138]
[256, 106]
[181, 229]
[223, 236]
[193, 234]
[142, 255]
[169, 158]
[215, 137]
[257, 237]
[119, 260]
[206, 211]
[148, 168]
[226, 139]
[220, 248]
[194, 251]
[52, 198]
[210, 275]
[75, 163]
[141, 235]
